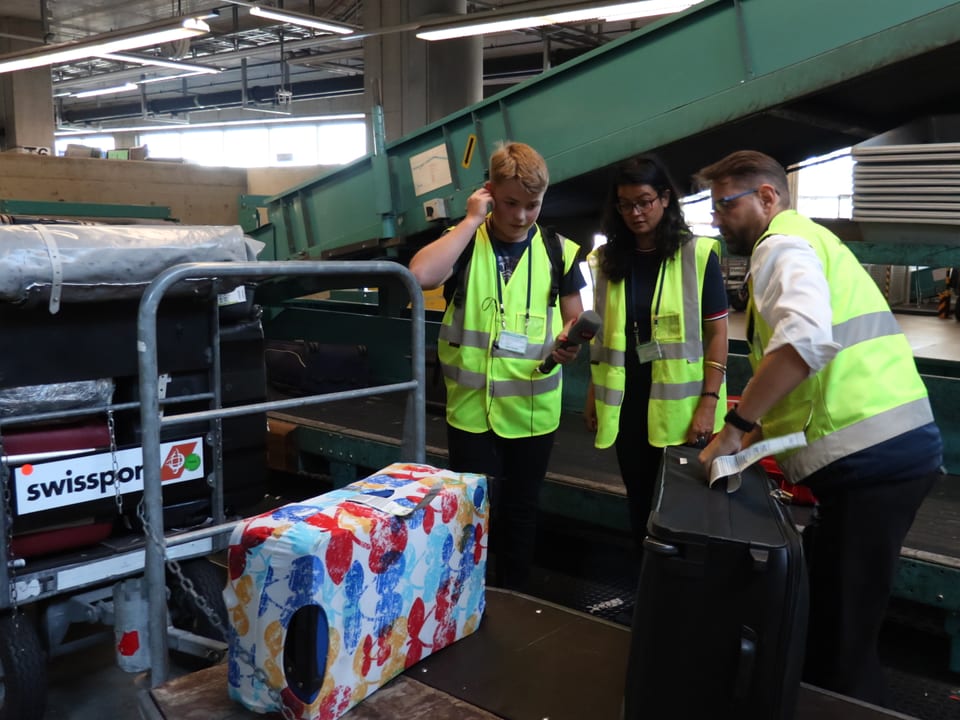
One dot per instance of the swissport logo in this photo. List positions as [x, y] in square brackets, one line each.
[74, 480]
[180, 458]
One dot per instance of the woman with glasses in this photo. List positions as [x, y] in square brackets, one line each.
[658, 367]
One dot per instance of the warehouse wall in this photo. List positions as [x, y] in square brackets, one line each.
[273, 181]
[196, 195]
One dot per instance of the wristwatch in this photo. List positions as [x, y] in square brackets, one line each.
[734, 418]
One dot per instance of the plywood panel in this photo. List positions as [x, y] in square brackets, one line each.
[196, 195]
[273, 181]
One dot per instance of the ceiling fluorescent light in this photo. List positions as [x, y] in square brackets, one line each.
[73, 132]
[166, 78]
[160, 62]
[142, 36]
[105, 91]
[648, 8]
[286, 16]
[487, 23]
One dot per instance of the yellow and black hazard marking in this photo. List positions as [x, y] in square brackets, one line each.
[468, 150]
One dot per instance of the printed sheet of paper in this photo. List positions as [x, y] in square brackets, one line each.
[732, 465]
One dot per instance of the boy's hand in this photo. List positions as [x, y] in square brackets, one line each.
[478, 205]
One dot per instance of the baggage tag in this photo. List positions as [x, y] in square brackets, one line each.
[512, 342]
[649, 351]
[732, 465]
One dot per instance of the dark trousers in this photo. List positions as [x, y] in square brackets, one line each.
[639, 465]
[515, 469]
[639, 461]
[852, 548]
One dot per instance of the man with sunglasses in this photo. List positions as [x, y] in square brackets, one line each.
[829, 360]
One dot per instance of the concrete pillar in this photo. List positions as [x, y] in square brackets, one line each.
[26, 96]
[416, 81]
[454, 77]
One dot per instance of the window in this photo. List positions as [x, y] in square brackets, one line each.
[324, 143]
[101, 142]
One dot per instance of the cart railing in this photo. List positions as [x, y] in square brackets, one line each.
[152, 420]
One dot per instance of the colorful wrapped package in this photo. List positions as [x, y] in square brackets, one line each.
[332, 597]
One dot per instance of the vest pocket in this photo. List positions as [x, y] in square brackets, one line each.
[668, 328]
[535, 329]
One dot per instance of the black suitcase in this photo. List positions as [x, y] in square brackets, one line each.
[301, 367]
[720, 621]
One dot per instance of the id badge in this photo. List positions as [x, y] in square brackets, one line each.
[512, 342]
[648, 351]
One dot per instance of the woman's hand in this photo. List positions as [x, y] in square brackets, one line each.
[701, 426]
[590, 409]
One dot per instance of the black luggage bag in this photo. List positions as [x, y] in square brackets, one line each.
[720, 621]
[302, 367]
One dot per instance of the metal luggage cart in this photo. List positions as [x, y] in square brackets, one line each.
[68, 309]
[104, 584]
[161, 550]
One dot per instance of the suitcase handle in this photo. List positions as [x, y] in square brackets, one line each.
[659, 547]
[748, 657]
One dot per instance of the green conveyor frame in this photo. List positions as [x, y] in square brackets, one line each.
[794, 78]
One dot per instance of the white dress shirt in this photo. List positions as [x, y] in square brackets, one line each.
[791, 294]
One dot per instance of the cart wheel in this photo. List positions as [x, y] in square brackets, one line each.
[23, 670]
[208, 581]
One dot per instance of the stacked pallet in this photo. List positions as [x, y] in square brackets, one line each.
[909, 175]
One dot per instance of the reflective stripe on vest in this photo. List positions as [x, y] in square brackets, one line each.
[874, 365]
[607, 352]
[677, 378]
[853, 438]
[488, 387]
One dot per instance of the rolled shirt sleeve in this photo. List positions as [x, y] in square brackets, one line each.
[791, 294]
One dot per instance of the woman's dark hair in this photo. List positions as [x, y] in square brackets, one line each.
[671, 232]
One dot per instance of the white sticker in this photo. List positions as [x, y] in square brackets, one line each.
[415, 494]
[238, 295]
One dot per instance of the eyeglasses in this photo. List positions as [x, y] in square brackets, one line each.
[725, 203]
[627, 206]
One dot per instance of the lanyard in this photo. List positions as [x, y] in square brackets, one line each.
[503, 314]
[633, 297]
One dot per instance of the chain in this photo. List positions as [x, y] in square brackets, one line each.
[118, 496]
[8, 519]
[211, 614]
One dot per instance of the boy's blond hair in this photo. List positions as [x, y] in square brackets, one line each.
[519, 161]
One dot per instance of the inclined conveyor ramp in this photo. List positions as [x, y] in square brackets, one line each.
[794, 79]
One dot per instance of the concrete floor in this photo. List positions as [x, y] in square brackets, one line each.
[90, 686]
[929, 336]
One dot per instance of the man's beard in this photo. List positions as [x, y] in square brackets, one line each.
[737, 244]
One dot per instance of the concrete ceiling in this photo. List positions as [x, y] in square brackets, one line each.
[257, 57]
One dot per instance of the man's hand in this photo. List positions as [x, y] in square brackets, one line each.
[729, 441]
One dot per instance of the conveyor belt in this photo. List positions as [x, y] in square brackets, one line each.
[529, 659]
[934, 537]
[574, 457]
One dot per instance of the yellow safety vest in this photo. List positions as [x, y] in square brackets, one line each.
[678, 375]
[870, 392]
[488, 387]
